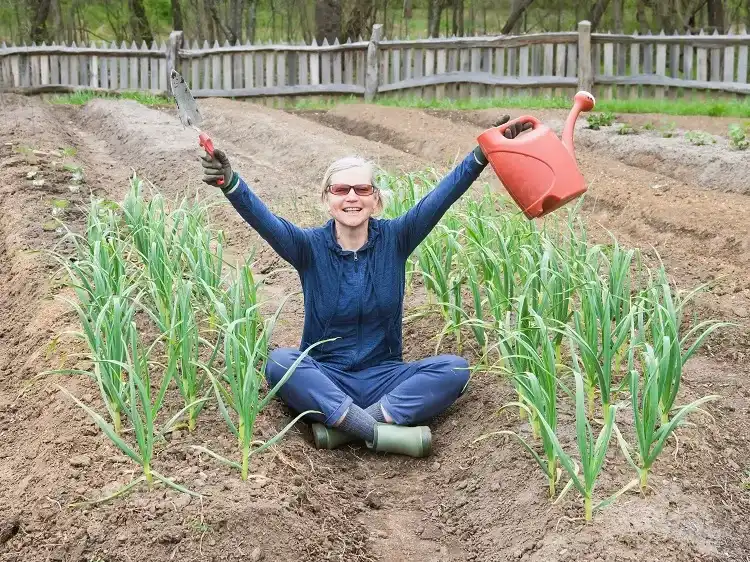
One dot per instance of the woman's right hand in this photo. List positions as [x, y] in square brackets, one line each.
[216, 168]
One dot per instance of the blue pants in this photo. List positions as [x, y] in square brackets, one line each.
[409, 392]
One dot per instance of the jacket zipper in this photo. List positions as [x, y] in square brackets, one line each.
[359, 310]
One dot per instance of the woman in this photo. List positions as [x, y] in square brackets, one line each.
[352, 271]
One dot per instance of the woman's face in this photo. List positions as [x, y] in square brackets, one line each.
[350, 208]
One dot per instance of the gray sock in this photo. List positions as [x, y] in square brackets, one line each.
[376, 412]
[359, 423]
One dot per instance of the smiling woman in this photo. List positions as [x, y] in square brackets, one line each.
[351, 198]
[352, 271]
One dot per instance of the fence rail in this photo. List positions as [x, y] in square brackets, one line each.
[607, 64]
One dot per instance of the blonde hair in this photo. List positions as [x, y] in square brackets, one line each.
[347, 162]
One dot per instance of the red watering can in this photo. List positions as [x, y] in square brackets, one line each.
[539, 171]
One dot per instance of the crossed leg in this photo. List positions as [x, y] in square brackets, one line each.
[408, 393]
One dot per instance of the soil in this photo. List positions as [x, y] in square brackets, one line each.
[484, 501]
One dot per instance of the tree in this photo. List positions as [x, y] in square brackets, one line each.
[716, 15]
[597, 11]
[327, 20]
[514, 20]
[617, 15]
[458, 17]
[40, 11]
[219, 23]
[358, 21]
[435, 12]
[176, 15]
[139, 22]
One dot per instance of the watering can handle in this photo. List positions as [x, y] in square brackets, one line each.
[522, 119]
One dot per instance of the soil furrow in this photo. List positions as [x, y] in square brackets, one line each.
[483, 502]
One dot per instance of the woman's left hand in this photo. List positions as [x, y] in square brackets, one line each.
[511, 132]
[515, 129]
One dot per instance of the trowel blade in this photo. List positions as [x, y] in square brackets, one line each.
[189, 113]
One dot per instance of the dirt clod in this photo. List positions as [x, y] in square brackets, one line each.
[80, 461]
[171, 536]
[257, 555]
[374, 502]
[9, 528]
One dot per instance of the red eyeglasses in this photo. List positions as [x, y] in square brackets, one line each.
[343, 189]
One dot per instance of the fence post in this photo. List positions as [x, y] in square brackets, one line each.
[175, 42]
[373, 63]
[585, 69]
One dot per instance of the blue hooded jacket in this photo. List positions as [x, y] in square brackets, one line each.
[355, 296]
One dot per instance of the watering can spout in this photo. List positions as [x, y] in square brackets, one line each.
[583, 101]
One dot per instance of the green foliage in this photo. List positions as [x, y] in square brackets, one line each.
[738, 136]
[669, 131]
[84, 96]
[598, 120]
[626, 129]
[558, 317]
[699, 138]
[728, 108]
[156, 311]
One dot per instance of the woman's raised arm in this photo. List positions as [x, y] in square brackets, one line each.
[413, 226]
[287, 239]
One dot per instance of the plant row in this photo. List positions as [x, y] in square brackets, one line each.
[160, 310]
[562, 319]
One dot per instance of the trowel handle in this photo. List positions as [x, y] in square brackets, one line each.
[208, 145]
[522, 119]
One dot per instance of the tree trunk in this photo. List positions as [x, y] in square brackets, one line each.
[716, 15]
[57, 22]
[617, 15]
[458, 18]
[210, 27]
[514, 20]
[359, 20]
[176, 16]
[40, 11]
[139, 22]
[640, 16]
[688, 20]
[598, 11]
[408, 9]
[433, 25]
[665, 16]
[237, 9]
[213, 10]
[251, 21]
[327, 20]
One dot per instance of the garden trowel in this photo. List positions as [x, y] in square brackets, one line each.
[189, 113]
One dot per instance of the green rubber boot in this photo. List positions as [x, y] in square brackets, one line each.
[402, 440]
[329, 437]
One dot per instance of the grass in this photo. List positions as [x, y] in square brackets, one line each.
[82, 97]
[712, 108]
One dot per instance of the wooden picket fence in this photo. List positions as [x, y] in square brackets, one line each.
[606, 64]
